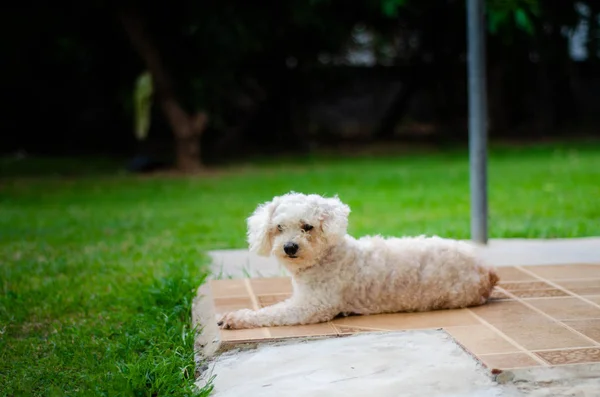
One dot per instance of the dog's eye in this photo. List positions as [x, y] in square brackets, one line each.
[279, 228]
[307, 228]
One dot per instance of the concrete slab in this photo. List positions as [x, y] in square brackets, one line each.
[239, 263]
[582, 380]
[529, 252]
[418, 363]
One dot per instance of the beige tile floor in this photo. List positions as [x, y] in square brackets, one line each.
[539, 316]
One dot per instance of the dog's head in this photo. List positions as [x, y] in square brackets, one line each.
[297, 228]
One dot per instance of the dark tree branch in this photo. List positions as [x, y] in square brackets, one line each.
[187, 128]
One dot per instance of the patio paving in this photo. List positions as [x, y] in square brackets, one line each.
[407, 364]
[540, 333]
[539, 316]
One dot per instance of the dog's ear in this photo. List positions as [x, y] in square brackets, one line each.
[334, 218]
[259, 230]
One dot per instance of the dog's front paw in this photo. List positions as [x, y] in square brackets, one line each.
[236, 320]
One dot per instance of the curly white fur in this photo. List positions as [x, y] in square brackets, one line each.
[334, 273]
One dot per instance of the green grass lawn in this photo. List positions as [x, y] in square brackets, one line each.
[97, 273]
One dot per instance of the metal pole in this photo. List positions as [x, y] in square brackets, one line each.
[477, 120]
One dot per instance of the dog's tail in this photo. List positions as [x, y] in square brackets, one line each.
[488, 285]
[493, 278]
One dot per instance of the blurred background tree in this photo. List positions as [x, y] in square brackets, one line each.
[234, 78]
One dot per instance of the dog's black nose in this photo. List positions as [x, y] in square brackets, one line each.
[290, 248]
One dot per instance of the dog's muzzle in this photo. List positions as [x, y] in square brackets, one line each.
[290, 249]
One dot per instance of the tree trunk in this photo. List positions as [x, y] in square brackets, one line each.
[187, 129]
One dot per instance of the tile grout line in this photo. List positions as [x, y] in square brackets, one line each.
[551, 318]
[507, 338]
[564, 319]
[565, 290]
[255, 304]
[338, 332]
[533, 298]
[335, 329]
[575, 364]
[251, 294]
[518, 295]
[567, 349]
[558, 349]
[370, 328]
[541, 278]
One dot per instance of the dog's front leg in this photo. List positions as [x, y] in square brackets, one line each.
[290, 312]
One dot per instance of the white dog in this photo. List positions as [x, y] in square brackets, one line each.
[334, 273]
